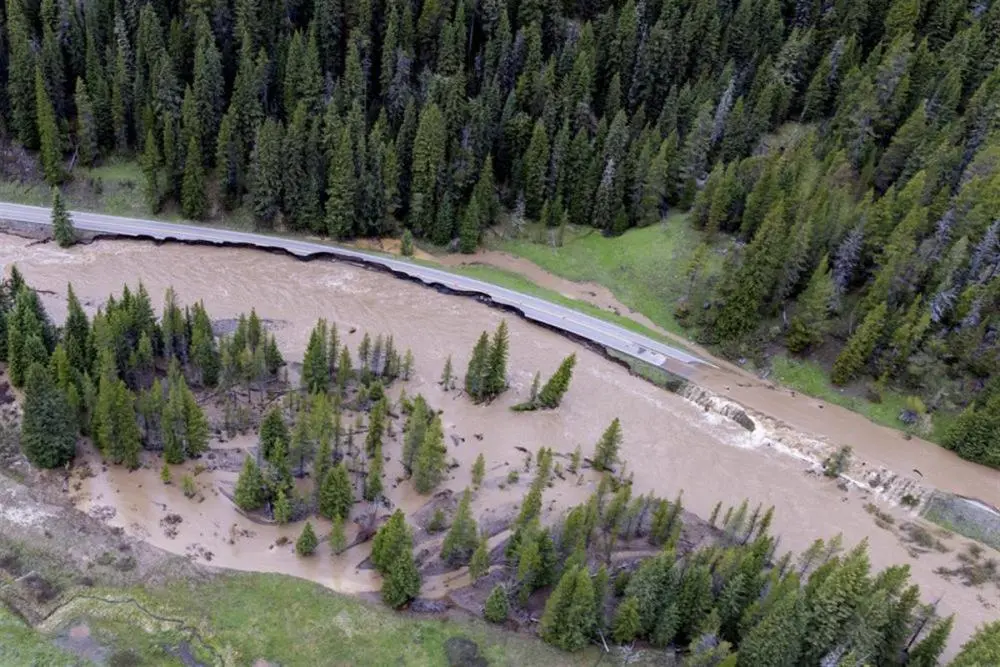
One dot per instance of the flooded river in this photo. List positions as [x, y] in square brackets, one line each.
[670, 443]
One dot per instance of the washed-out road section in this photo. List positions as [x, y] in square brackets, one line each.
[561, 318]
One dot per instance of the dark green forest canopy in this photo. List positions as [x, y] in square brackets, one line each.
[850, 148]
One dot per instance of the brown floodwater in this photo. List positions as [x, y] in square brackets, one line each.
[670, 443]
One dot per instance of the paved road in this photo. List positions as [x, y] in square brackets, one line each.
[542, 311]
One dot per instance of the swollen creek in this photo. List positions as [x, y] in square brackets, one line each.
[670, 444]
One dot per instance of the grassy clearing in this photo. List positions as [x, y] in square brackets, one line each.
[22, 645]
[288, 621]
[516, 281]
[645, 268]
[809, 378]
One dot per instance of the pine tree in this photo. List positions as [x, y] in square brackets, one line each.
[315, 364]
[429, 463]
[194, 202]
[982, 649]
[495, 375]
[338, 541]
[626, 626]
[402, 582]
[249, 494]
[462, 537]
[553, 391]
[606, 450]
[48, 426]
[478, 471]
[447, 376]
[406, 245]
[568, 619]
[536, 163]
[86, 125]
[62, 224]
[469, 228]
[479, 564]
[273, 431]
[429, 146]
[392, 540]
[809, 324]
[928, 651]
[282, 508]
[337, 493]
[860, 346]
[341, 189]
[76, 333]
[265, 179]
[497, 605]
[777, 637]
[50, 151]
[476, 374]
[307, 542]
[373, 482]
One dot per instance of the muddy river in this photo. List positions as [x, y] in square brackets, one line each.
[670, 443]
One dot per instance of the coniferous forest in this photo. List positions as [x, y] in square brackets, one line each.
[849, 148]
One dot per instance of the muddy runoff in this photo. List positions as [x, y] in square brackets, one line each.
[671, 444]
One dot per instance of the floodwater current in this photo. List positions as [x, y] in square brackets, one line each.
[670, 444]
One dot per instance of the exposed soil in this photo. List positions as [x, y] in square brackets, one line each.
[670, 443]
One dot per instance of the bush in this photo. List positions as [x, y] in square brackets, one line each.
[835, 465]
[187, 485]
[497, 605]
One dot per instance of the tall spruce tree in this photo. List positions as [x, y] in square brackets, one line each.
[62, 224]
[48, 427]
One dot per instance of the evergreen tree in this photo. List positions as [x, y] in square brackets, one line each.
[461, 540]
[429, 463]
[810, 321]
[479, 564]
[337, 493]
[928, 651]
[76, 333]
[536, 163]
[478, 471]
[194, 202]
[626, 626]
[392, 540]
[62, 224]
[568, 619]
[341, 188]
[338, 541]
[307, 542]
[315, 364]
[265, 178]
[606, 450]
[428, 159]
[373, 482]
[982, 649]
[49, 138]
[859, 346]
[273, 431]
[249, 494]
[48, 426]
[495, 375]
[477, 372]
[497, 605]
[447, 376]
[402, 582]
[553, 391]
[282, 508]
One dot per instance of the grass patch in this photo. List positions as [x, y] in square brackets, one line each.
[644, 268]
[22, 645]
[517, 282]
[809, 378]
[294, 622]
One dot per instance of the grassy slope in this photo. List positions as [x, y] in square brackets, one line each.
[644, 267]
[288, 621]
[21, 645]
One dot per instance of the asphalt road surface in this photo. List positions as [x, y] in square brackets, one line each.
[533, 308]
